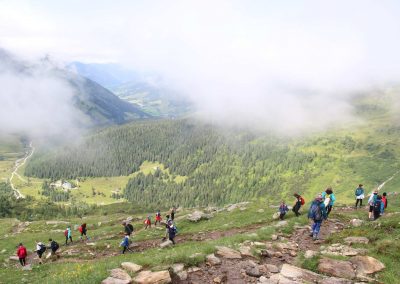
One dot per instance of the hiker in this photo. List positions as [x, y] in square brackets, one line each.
[128, 228]
[125, 244]
[172, 232]
[40, 250]
[359, 195]
[147, 222]
[371, 201]
[378, 207]
[299, 202]
[329, 199]
[173, 211]
[21, 252]
[82, 229]
[317, 213]
[54, 247]
[384, 200]
[283, 209]
[166, 227]
[68, 235]
[158, 218]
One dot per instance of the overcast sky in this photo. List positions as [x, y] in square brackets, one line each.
[247, 61]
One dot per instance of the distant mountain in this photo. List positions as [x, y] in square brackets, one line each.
[99, 104]
[144, 90]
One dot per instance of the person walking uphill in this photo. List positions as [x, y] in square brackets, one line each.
[283, 209]
[317, 213]
[371, 202]
[172, 231]
[40, 250]
[21, 252]
[359, 195]
[329, 199]
[128, 228]
[299, 202]
[68, 235]
[82, 229]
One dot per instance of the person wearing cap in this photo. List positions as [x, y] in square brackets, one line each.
[371, 201]
[359, 195]
[317, 213]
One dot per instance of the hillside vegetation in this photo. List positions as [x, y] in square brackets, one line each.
[219, 166]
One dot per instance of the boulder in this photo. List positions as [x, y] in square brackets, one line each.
[356, 222]
[131, 267]
[212, 260]
[228, 253]
[337, 268]
[293, 274]
[245, 251]
[120, 274]
[335, 280]
[310, 254]
[253, 271]
[272, 268]
[148, 277]
[198, 215]
[356, 240]
[367, 265]
[112, 280]
[165, 244]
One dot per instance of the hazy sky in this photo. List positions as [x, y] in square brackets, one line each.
[252, 62]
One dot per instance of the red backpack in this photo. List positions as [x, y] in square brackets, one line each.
[302, 200]
[80, 229]
[66, 233]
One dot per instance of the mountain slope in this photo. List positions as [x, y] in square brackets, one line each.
[100, 105]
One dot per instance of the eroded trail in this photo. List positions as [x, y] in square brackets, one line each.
[18, 164]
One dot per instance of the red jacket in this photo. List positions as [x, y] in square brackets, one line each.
[21, 252]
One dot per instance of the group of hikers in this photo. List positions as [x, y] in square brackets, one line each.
[322, 205]
[170, 229]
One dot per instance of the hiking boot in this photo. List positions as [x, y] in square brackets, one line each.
[311, 234]
[315, 237]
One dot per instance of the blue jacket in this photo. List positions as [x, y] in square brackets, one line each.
[125, 242]
[361, 191]
[283, 209]
[321, 206]
[332, 197]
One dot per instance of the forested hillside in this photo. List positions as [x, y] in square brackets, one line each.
[220, 166]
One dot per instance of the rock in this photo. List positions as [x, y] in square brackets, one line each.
[266, 280]
[27, 267]
[276, 215]
[367, 265]
[112, 280]
[165, 244]
[183, 275]
[212, 260]
[14, 258]
[193, 269]
[293, 253]
[228, 253]
[334, 280]
[356, 222]
[274, 237]
[198, 215]
[120, 274]
[356, 240]
[131, 267]
[177, 267]
[281, 224]
[272, 268]
[260, 210]
[90, 244]
[337, 268]
[148, 277]
[253, 271]
[310, 254]
[245, 251]
[259, 244]
[293, 274]
[267, 253]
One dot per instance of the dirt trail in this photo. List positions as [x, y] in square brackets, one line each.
[19, 163]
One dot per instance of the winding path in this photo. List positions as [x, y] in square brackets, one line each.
[19, 163]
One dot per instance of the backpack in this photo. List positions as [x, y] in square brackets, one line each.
[80, 229]
[359, 191]
[302, 201]
[42, 248]
[54, 245]
[377, 206]
[316, 213]
[66, 233]
[130, 227]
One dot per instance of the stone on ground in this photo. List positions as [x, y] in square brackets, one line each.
[356, 240]
[228, 253]
[310, 254]
[245, 251]
[281, 224]
[335, 280]
[272, 268]
[198, 215]
[356, 222]
[14, 258]
[212, 260]
[337, 268]
[367, 265]
[131, 267]
[165, 244]
[112, 280]
[148, 277]
[293, 274]
[120, 274]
